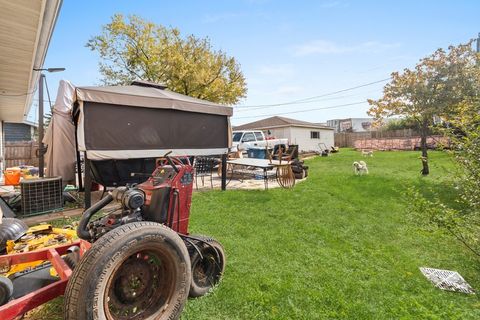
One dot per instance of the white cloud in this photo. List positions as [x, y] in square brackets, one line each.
[329, 47]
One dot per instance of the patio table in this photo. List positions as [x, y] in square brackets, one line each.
[284, 173]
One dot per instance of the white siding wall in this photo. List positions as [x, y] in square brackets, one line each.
[302, 137]
[357, 124]
[279, 133]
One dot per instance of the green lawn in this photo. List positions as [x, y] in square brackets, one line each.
[336, 246]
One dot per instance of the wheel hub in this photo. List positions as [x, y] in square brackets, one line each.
[204, 272]
[134, 280]
[136, 287]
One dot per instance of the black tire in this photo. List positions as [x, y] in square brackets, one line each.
[140, 270]
[6, 290]
[72, 257]
[297, 169]
[11, 229]
[206, 272]
[300, 175]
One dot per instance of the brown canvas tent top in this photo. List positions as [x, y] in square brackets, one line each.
[146, 120]
[122, 129]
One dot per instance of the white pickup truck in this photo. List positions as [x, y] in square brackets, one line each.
[244, 139]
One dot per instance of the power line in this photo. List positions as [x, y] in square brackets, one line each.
[308, 110]
[48, 94]
[314, 101]
[315, 97]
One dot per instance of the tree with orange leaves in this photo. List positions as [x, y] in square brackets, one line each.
[434, 88]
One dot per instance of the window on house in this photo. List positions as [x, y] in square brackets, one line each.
[314, 134]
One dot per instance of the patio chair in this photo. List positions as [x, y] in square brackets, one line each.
[290, 154]
[203, 168]
[282, 155]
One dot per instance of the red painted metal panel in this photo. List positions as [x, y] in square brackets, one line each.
[63, 270]
[18, 307]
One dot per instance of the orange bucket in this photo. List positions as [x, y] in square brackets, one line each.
[12, 177]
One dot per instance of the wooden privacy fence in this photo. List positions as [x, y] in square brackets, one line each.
[412, 143]
[21, 153]
[347, 139]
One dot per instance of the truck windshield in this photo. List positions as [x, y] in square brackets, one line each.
[259, 136]
[237, 136]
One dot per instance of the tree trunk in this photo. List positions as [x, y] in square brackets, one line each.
[423, 144]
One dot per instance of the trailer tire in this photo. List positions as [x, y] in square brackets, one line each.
[140, 270]
[206, 272]
[6, 290]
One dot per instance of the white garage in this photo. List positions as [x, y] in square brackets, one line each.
[306, 135]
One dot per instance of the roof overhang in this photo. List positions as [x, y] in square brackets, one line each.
[286, 126]
[139, 95]
[25, 31]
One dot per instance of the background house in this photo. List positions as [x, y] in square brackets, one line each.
[351, 124]
[19, 132]
[306, 135]
[27, 27]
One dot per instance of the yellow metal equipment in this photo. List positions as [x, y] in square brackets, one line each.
[37, 237]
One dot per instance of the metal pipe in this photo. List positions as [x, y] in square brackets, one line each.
[82, 230]
[87, 181]
[41, 159]
[224, 172]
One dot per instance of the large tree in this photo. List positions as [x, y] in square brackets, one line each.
[134, 49]
[436, 85]
[461, 219]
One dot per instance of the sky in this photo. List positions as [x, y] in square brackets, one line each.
[288, 50]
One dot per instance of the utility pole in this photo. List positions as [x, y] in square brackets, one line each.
[41, 161]
[41, 147]
[478, 43]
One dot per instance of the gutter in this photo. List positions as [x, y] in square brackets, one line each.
[49, 17]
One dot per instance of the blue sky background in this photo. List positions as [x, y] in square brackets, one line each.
[288, 50]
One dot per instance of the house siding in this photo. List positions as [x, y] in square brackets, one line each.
[280, 133]
[302, 137]
[351, 124]
[14, 132]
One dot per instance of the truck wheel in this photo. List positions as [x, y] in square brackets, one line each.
[140, 270]
[207, 269]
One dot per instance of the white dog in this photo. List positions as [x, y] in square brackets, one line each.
[367, 153]
[360, 167]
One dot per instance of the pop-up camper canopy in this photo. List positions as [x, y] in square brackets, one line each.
[146, 120]
[122, 129]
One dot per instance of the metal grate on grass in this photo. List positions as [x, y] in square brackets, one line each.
[447, 280]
